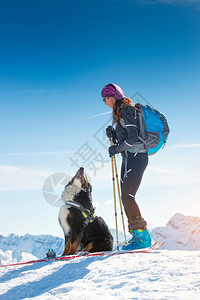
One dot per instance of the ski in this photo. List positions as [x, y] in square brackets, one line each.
[156, 246]
[150, 249]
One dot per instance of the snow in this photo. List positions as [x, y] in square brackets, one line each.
[21, 248]
[162, 274]
[181, 233]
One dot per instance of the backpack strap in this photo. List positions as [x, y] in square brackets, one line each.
[142, 129]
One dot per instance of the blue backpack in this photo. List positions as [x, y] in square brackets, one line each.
[153, 130]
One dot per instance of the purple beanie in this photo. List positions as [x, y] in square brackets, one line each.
[112, 90]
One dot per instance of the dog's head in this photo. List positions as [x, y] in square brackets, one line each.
[80, 179]
[77, 184]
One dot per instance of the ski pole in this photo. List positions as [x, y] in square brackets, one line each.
[120, 201]
[114, 195]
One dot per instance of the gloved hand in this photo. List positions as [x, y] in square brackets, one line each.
[112, 150]
[111, 133]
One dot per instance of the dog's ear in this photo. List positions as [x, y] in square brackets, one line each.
[71, 181]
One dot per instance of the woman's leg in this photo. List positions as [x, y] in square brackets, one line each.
[136, 166]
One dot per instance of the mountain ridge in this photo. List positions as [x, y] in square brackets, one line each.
[180, 233]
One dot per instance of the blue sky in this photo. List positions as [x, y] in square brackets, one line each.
[55, 57]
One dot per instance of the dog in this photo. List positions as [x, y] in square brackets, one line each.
[83, 230]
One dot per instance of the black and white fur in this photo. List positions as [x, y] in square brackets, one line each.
[96, 236]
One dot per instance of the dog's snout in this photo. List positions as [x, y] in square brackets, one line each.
[80, 172]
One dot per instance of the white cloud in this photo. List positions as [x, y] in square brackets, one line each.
[173, 166]
[36, 153]
[96, 204]
[99, 115]
[110, 201]
[14, 178]
[185, 146]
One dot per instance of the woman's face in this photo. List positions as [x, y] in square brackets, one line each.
[109, 101]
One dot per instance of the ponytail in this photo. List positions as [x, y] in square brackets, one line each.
[118, 105]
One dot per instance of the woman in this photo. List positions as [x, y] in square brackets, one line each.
[133, 164]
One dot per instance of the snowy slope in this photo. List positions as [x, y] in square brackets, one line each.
[181, 233]
[161, 275]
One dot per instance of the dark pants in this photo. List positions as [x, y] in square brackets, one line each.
[130, 182]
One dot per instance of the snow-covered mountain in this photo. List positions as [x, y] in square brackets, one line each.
[180, 233]
[20, 248]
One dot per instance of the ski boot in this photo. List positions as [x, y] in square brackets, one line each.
[51, 253]
[141, 239]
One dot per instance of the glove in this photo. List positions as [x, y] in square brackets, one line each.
[111, 133]
[112, 150]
